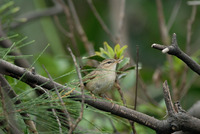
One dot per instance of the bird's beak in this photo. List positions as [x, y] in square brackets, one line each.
[118, 60]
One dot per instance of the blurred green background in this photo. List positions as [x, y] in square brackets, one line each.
[140, 28]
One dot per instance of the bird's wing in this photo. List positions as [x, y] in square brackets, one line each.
[89, 77]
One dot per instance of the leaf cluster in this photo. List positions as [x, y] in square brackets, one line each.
[107, 52]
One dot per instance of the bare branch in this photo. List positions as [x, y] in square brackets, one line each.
[124, 102]
[79, 28]
[70, 24]
[136, 85]
[144, 88]
[174, 14]
[166, 40]
[25, 18]
[168, 100]
[121, 19]
[162, 25]
[82, 91]
[61, 28]
[176, 51]
[189, 28]
[7, 44]
[102, 23]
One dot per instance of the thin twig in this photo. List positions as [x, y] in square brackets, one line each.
[102, 23]
[182, 87]
[82, 91]
[124, 102]
[70, 23]
[189, 27]
[53, 110]
[174, 14]
[61, 28]
[113, 126]
[166, 40]
[144, 88]
[188, 85]
[121, 19]
[162, 25]
[136, 84]
[168, 100]
[89, 47]
[61, 100]
[69, 34]
[29, 16]
[120, 92]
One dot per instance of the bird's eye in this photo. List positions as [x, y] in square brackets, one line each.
[109, 62]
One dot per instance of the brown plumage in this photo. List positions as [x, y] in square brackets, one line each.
[102, 78]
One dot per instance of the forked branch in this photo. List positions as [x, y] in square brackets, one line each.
[174, 49]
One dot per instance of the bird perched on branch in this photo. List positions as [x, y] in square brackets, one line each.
[102, 78]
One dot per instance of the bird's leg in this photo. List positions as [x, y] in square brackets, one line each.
[105, 96]
[93, 96]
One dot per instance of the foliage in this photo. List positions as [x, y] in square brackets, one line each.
[109, 53]
[32, 39]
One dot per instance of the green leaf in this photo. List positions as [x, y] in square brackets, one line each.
[5, 6]
[109, 49]
[130, 68]
[125, 61]
[119, 54]
[95, 57]
[104, 53]
[117, 48]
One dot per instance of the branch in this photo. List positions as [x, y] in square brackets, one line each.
[174, 14]
[101, 22]
[88, 45]
[14, 71]
[121, 19]
[168, 100]
[174, 49]
[82, 91]
[162, 25]
[176, 122]
[179, 119]
[11, 93]
[189, 27]
[56, 9]
[7, 44]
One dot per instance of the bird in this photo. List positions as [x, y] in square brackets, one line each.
[102, 79]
